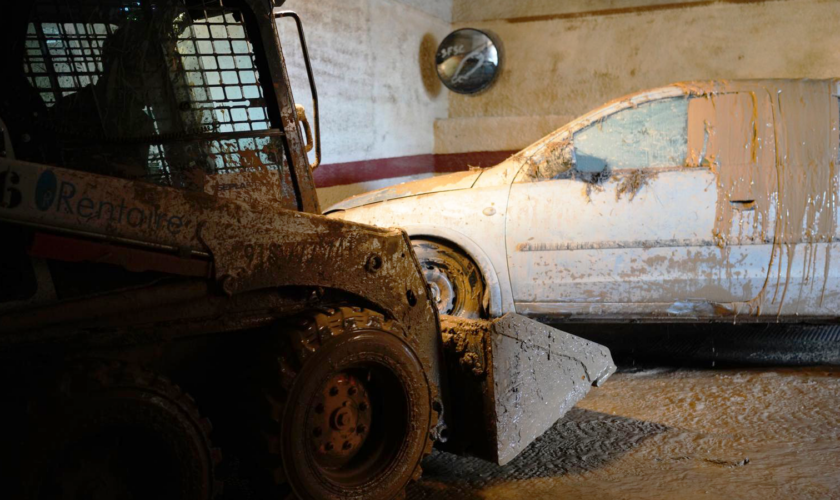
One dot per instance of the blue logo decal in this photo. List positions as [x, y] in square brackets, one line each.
[45, 190]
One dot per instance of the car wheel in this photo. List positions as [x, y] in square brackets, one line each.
[456, 283]
[351, 408]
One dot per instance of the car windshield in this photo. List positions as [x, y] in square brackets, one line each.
[167, 91]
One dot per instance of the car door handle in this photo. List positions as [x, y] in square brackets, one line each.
[743, 205]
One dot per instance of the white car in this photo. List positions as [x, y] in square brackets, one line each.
[695, 201]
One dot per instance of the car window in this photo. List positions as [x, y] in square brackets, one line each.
[653, 134]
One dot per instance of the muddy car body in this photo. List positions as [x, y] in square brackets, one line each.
[695, 201]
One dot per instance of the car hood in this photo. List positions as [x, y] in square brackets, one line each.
[437, 184]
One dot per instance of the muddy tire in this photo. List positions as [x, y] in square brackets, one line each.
[114, 431]
[456, 283]
[350, 407]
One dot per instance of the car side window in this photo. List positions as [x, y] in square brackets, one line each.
[653, 134]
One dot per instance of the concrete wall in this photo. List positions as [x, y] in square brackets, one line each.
[376, 100]
[366, 56]
[565, 58]
[442, 9]
[470, 10]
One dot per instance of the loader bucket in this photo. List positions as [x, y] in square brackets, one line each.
[511, 379]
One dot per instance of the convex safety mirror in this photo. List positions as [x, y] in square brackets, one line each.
[467, 61]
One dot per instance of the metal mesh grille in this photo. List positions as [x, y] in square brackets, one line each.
[63, 58]
[165, 91]
[220, 74]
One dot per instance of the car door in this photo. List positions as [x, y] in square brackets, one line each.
[804, 275]
[628, 227]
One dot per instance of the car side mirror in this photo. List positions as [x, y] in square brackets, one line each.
[590, 164]
[590, 168]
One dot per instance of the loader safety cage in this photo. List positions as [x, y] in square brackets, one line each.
[181, 93]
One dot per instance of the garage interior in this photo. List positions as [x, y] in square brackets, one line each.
[694, 411]
[195, 303]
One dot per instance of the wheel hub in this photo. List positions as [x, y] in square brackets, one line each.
[442, 290]
[340, 415]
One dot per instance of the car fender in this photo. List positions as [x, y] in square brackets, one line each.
[501, 297]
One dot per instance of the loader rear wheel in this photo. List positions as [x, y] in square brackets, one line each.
[456, 284]
[359, 408]
[119, 432]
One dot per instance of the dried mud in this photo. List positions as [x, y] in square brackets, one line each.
[631, 183]
[465, 339]
[672, 433]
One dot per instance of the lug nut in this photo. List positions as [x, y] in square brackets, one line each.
[351, 391]
[346, 445]
[333, 391]
[328, 446]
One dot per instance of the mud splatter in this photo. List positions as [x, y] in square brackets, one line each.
[775, 140]
[592, 188]
[466, 339]
[633, 182]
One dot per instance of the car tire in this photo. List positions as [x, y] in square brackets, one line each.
[455, 281]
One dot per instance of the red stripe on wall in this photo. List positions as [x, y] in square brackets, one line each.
[339, 174]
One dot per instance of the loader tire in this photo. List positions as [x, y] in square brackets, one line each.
[111, 430]
[350, 408]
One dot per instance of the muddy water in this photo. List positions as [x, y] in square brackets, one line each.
[676, 433]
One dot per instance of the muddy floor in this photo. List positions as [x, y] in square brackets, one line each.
[763, 433]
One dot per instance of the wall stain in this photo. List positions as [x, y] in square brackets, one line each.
[426, 60]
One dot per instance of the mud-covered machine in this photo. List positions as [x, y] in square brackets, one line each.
[163, 264]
